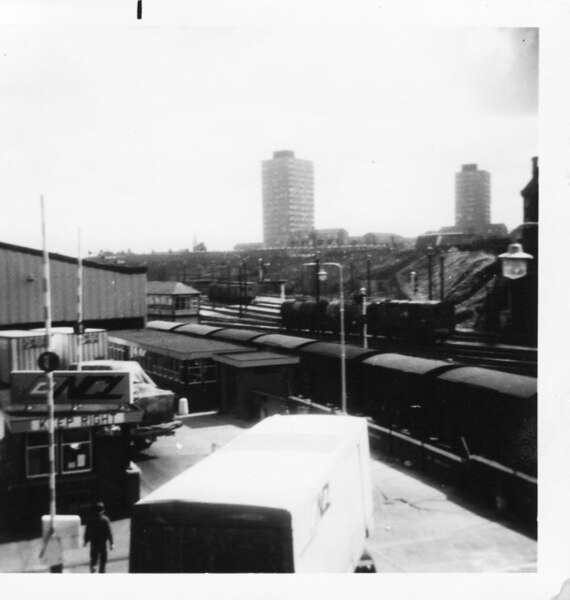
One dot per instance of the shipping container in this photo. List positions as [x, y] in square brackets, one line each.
[95, 345]
[19, 351]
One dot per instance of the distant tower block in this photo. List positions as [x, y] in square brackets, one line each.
[472, 200]
[288, 198]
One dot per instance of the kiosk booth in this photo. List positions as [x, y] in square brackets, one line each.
[93, 417]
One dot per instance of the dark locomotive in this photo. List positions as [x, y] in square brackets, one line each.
[232, 292]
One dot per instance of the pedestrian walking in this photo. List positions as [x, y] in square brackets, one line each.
[98, 532]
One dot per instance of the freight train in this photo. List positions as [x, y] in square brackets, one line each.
[232, 292]
[465, 409]
[412, 319]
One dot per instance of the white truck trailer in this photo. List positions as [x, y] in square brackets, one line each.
[291, 495]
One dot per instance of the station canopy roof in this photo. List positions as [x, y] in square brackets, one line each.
[183, 347]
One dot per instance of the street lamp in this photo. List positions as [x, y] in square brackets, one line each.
[322, 276]
[514, 262]
[514, 265]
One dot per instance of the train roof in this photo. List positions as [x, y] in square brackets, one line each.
[163, 325]
[277, 463]
[407, 364]
[237, 335]
[333, 350]
[498, 381]
[178, 346]
[279, 340]
[197, 329]
[259, 358]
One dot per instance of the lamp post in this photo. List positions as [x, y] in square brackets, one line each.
[441, 276]
[317, 281]
[242, 286]
[322, 276]
[514, 265]
[430, 253]
[364, 324]
[368, 273]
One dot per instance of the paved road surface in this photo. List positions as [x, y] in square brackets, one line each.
[417, 528]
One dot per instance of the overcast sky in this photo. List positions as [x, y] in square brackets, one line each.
[147, 135]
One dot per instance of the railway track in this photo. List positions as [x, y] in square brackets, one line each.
[489, 351]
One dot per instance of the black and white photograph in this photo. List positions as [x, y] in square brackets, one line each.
[275, 305]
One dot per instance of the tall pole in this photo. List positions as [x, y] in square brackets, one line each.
[429, 255]
[49, 374]
[413, 284]
[79, 302]
[317, 294]
[364, 324]
[342, 344]
[368, 273]
[317, 281]
[342, 337]
[441, 277]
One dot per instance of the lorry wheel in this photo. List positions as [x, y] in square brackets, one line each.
[140, 444]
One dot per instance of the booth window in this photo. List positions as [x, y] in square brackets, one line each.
[73, 452]
[201, 371]
[210, 371]
[37, 454]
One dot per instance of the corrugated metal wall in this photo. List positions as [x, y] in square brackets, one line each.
[106, 294]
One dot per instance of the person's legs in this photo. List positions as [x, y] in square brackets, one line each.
[102, 559]
[94, 555]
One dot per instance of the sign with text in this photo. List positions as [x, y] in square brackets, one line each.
[24, 425]
[71, 387]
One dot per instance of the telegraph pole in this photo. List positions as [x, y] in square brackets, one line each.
[49, 373]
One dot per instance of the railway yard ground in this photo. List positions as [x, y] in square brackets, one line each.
[419, 527]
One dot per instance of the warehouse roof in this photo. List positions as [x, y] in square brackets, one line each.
[69, 259]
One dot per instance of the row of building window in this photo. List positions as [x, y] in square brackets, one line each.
[190, 372]
[169, 302]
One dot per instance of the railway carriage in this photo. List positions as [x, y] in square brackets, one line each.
[470, 411]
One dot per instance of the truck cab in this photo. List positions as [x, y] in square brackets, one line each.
[158, 405]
